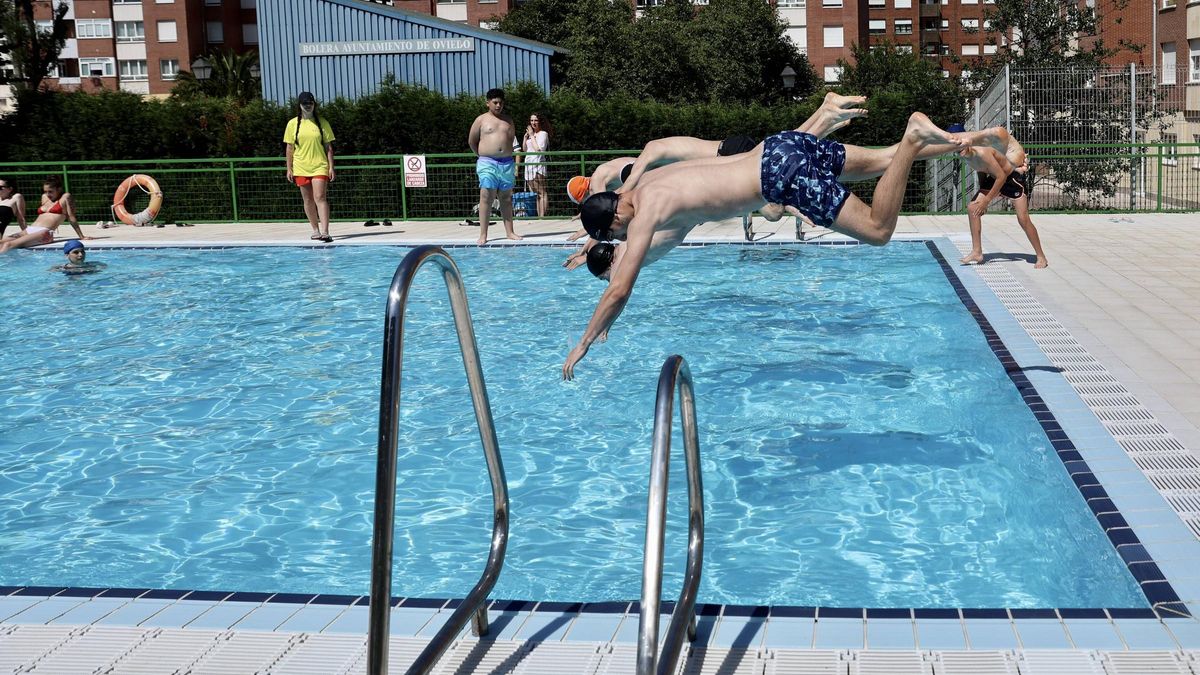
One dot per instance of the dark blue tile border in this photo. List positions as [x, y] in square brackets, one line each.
[1157, 589]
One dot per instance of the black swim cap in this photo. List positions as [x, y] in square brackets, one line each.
[597, 214]
[736, 145]
[599, 259]
[626, 171]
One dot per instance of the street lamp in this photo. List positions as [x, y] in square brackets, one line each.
[789, 77]
[201, 69]
[255, 71]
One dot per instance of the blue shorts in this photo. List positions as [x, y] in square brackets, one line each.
[800, 170]
[496, 173]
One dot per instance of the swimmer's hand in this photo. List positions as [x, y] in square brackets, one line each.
[575, 260]
[578, 235]
[577, 353]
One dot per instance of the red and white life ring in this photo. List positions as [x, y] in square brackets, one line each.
[148, 185]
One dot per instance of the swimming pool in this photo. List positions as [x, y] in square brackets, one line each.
[207, 420]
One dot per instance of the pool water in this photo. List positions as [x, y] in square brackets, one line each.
[208, 419]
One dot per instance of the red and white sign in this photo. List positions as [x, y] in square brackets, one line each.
[414, 171]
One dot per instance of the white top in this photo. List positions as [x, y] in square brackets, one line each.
[539, 142]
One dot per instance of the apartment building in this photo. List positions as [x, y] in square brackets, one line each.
[936, 29]
[140, 46]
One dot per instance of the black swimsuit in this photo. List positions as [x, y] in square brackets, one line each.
[1015, 187]
[6, 217]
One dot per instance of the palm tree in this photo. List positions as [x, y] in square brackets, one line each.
[231, 75]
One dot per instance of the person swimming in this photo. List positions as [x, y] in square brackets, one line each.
[77, 263]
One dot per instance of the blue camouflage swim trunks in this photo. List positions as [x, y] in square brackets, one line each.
[801, 170]
[496, 173]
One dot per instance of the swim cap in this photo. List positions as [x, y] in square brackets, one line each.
[577, 188]
[597, 213]
[72, 245]
[599, 258]
[736, 145]
[626, 171]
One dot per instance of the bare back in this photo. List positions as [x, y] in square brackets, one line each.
[685, 194]
[496, 135]
[607, 176]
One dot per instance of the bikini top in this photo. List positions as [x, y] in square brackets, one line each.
[55, 207]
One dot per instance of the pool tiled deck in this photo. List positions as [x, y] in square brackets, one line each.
[1118, 284]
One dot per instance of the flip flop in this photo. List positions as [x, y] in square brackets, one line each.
[370, 223]
[327, 239]
[317, 237]
[387, 222]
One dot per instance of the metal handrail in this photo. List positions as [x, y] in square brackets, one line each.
[385, 471]
[674, 372]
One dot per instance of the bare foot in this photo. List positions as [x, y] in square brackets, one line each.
[924, 132]
[482, 241]
[772, 212]
[1040, 264]
[972, 259]
[514, 236]
[996, 137]
[837, 111]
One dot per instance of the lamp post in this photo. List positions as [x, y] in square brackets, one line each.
[789, 79]
[201, 69]
[255, 71]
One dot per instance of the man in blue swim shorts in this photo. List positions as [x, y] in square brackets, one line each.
[792, 168]
[492, 138]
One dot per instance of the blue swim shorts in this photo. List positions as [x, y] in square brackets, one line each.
[801, 170]
[496, 173]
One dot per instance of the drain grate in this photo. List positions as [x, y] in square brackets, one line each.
[1160, 456]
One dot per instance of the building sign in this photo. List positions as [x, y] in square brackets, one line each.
[353, 47]
[414, 171]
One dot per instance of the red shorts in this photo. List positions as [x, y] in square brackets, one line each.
[305, 180]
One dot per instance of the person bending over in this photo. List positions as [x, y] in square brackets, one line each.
[56, 208]
[12, 206]
[998, 177]
[791, 168]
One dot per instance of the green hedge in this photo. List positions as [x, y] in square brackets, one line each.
[55, 126]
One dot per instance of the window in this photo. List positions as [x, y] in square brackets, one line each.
[249, 4]
[903, 49]
[97, 67]
[93, 28]
[214, 31]
[876, 27]
[212, 3]
[131, 31]
[127, 2]
[168, 69]
[134, 70]
[831, 3]
[792, 3]
[989, 49]
[250, 33]
[166, 31]
[833, 73]
[970, 50]
[877, 3]
[489, 25]
[164, 2]
[44, 25]
[833, 36]
[1170, 155]
[903, 4]
[945, 24]
[903, 27]
[1167, 4]
[1168, 63]
[970, 24]
[1193, 60]
[987, 24]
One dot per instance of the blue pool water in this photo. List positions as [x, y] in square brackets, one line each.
[208, 419]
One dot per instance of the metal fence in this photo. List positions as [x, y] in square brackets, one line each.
[1131, 177]
[1098, 139]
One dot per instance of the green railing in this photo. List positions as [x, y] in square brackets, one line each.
[1068, 178]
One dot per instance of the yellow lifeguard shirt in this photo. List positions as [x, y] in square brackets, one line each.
[308, 155]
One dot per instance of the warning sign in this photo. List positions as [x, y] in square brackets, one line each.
[414, 171]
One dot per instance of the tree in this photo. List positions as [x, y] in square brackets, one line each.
[32, 51]
[232, 77]
[895, 85]
[729, 51]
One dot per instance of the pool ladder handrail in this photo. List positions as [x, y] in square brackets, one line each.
[675, 373]
[475, 604]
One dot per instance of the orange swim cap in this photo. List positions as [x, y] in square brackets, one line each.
[577, 188]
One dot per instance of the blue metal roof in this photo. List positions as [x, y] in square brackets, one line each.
[494, 59]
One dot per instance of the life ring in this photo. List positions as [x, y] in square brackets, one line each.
[148, 185]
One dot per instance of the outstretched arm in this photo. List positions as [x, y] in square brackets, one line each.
[617, 294]
[69, 207]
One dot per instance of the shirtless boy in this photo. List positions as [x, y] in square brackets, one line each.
[491, 138]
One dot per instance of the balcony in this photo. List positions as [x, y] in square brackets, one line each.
[929, 9]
